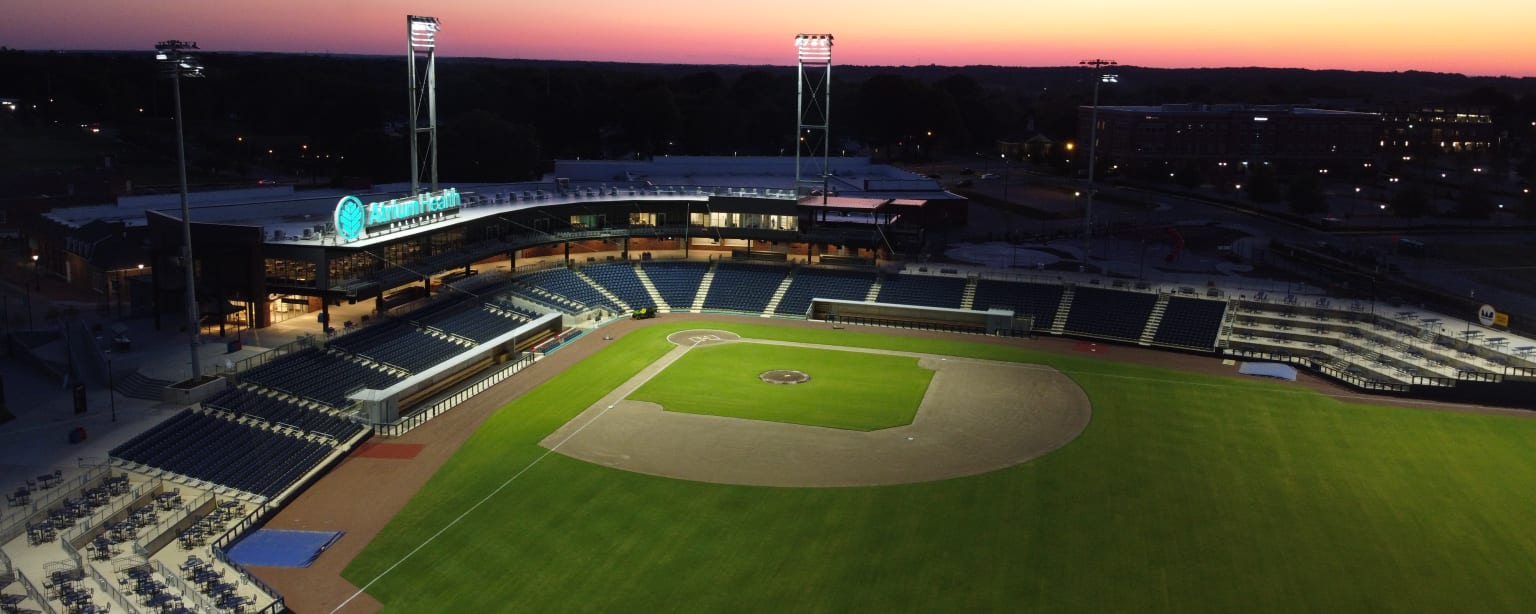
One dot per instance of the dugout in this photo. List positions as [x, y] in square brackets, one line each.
[390, 404]
[990, 322]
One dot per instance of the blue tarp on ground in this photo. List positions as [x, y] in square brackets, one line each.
[1269, 369]
[277, 548]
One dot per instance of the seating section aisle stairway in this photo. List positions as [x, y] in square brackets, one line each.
[677, 282]
[744, 287]
[836, 284]
[621, 280]
[1025, 299]
[1191, 323]
[1110, 314]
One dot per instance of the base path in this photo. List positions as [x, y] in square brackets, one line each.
[977, 416]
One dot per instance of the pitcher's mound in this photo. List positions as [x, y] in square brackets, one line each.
[784, 376]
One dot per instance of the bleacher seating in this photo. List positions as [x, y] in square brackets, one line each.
[823, 283]
[319, 376]
[738, 287]
[280, 411]
[207, 447]
[567, 284]
[621, 280]
[677, 282]
[1190, 323]
[477, 322]
[924, 290]
[545, 299]
[399, 345]
[1038, 300]
[1112, 314]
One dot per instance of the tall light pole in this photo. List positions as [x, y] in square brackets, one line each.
[1093, 143]
[421, 38]
[813, 103]
[173, 53]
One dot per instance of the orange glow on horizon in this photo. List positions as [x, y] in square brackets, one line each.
[1484, 38]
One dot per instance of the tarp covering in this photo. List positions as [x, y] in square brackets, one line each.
[276, 548]
[1269, 369]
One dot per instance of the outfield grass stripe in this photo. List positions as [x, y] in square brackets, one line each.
[1187, 493]
[642, 376]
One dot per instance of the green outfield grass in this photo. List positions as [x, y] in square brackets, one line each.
[847, 390]
[1185, 493]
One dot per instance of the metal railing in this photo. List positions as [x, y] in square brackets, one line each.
[36, 595]
[404, 425]
[110, 588]
[156, 535]
[15, 525]
[100, 516]
[302, 343]
[259, 517]
[188, 592]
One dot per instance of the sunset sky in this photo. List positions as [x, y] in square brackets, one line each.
[1480, 37]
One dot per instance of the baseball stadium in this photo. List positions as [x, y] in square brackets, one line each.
[733, 384]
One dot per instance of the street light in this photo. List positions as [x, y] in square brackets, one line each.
[37, 282]
[173, 53]
[1093, 143]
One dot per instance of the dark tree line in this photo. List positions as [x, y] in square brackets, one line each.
[325, 116]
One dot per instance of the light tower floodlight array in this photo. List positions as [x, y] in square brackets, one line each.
[1100, 76]
[421, 37]
[178, 63]
[814, 104]
[423, 32]
[814, 47]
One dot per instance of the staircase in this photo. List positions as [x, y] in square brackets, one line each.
[704, 284]
[139, 386]
[1154, 319]
[968, 297]
[612, 298]
[1059, 325]
[650, 288]
[778, 295]
[874, 291]
[1224, 337]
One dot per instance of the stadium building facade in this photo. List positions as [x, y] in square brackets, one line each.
[270, 254]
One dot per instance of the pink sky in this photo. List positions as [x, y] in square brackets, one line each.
[1482, 37]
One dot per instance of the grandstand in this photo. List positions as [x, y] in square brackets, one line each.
[287, 417]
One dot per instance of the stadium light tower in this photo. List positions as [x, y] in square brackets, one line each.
[421, 35]
[1099, 76]
[178, 63]
[813, 98]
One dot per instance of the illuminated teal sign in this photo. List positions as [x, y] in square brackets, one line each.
[354, 220]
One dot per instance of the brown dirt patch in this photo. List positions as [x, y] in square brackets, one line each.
[784, 376]
[379, 449]
[361, 495]
[978, 416]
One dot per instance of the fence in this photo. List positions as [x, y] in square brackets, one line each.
[17, 524]
[100, 516]
[164, 532]
[110, 588]
[36, 595]
[404, 425]
[1357, 381]
[187, 591]
[302, 343]
[266, 511]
